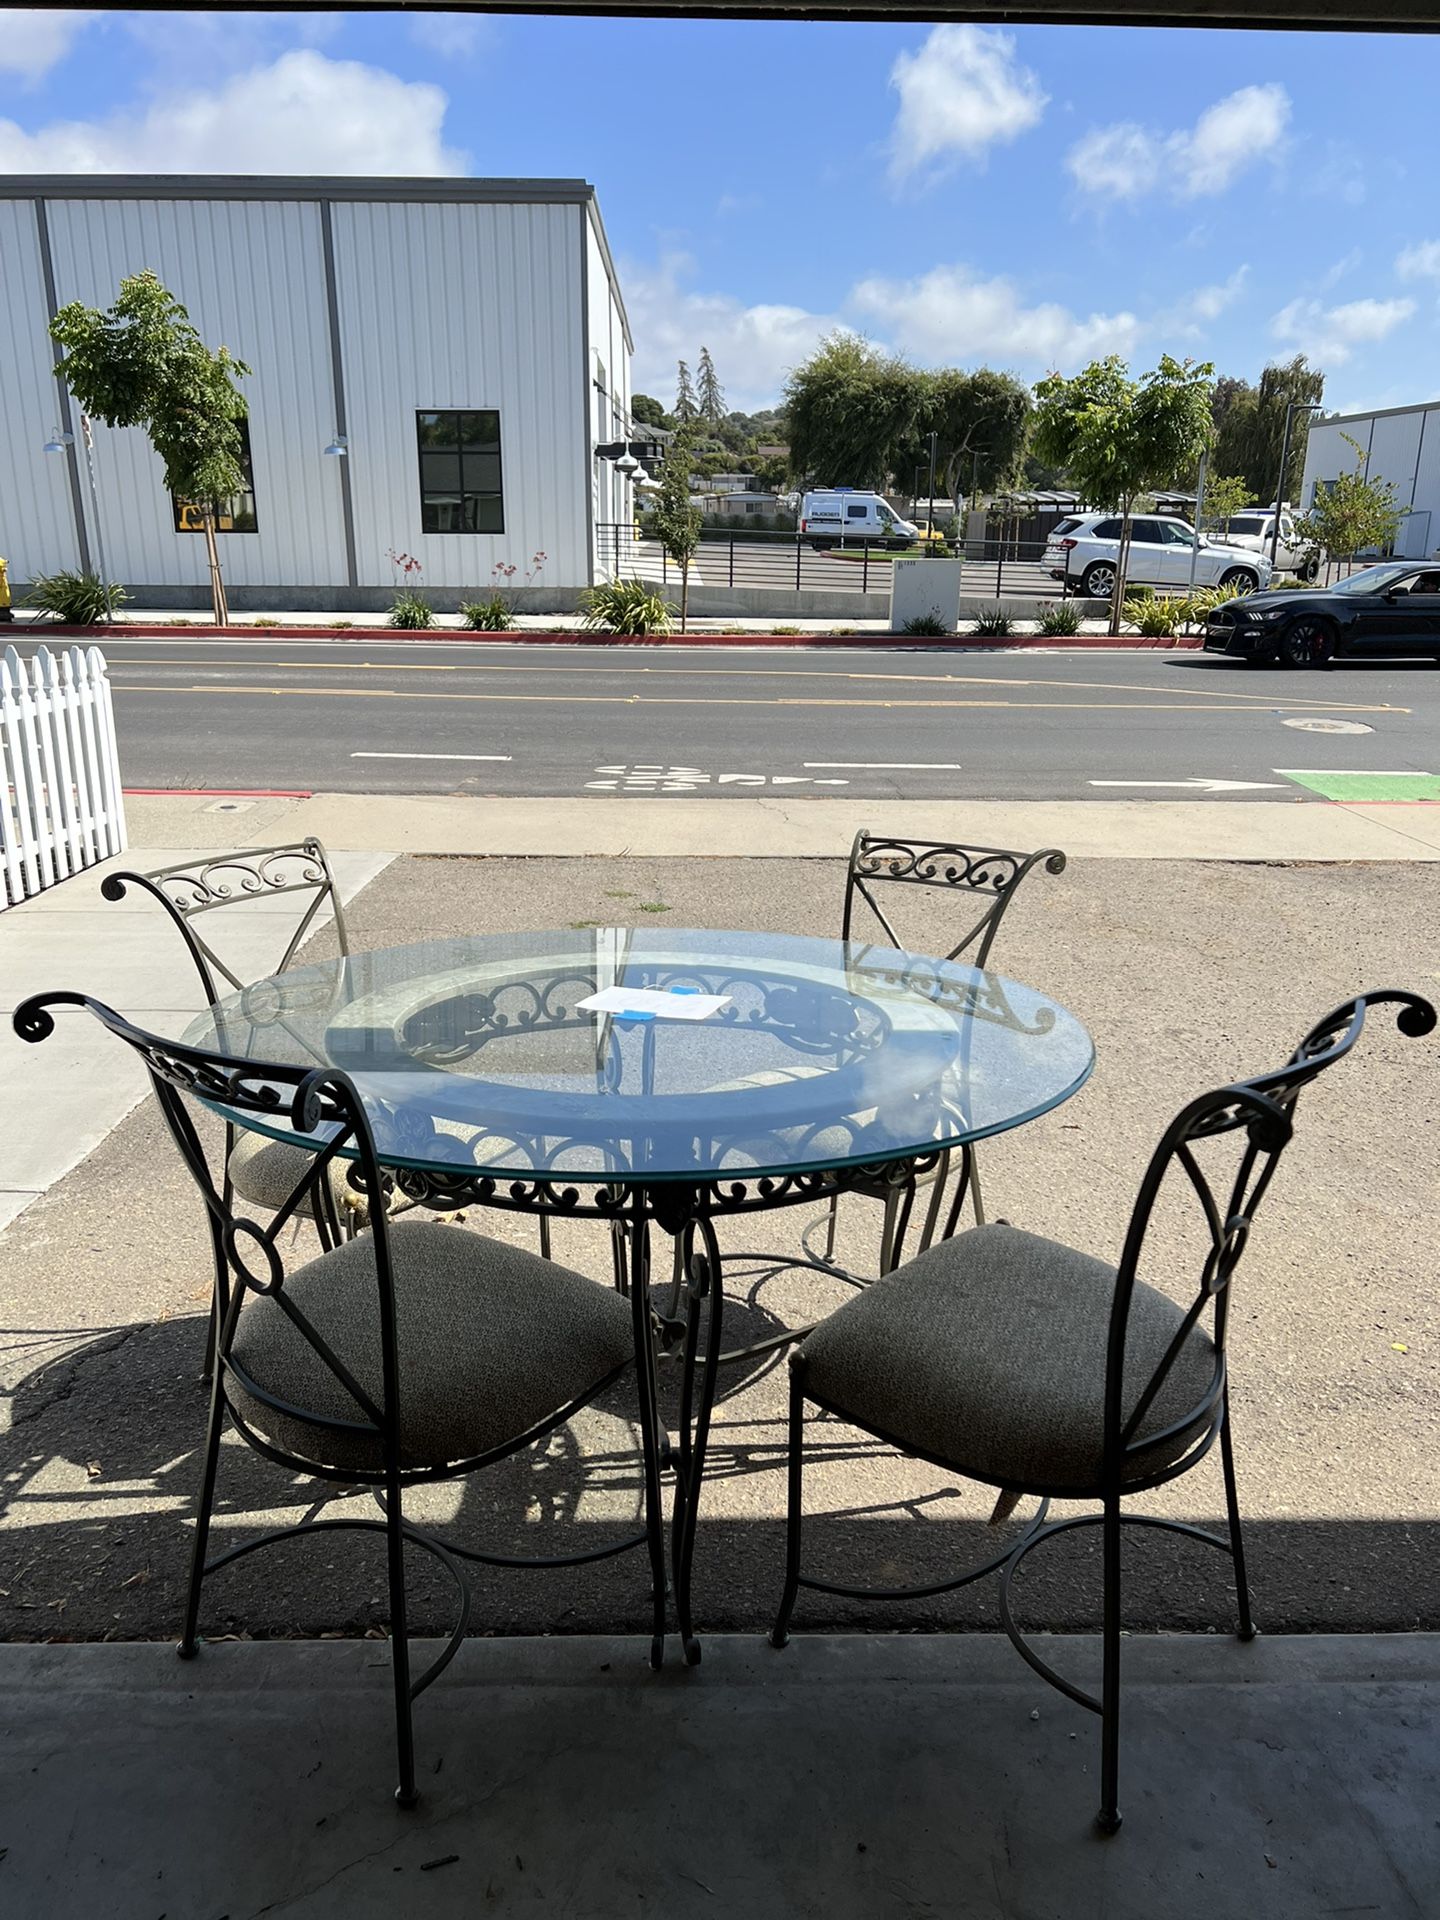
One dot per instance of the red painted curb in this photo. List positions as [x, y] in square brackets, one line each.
[223, 793]
[899, 642]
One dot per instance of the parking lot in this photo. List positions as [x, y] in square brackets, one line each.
[782, 563]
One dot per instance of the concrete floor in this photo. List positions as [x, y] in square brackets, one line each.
[844, 1779]
[1187, 974]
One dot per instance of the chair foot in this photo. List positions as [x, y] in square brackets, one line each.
[407, 1798]
[187, 1649]
[1107, 1821]
[692, 1651]
[1247, 1633]
[657, 1653]
[779, 1638]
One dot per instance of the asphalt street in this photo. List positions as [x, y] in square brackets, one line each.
[377, 714]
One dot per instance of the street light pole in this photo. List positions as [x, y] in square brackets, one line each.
[1292, 408]
[930, 505]
[89, 439]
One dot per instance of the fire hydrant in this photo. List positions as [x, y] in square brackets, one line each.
[5, 613]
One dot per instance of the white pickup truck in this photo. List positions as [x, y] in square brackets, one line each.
[1254, 531]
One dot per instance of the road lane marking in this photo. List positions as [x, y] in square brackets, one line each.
[1361, 784]
[1197, 785]
[884, 766]
[1242, 700]
[429, 756]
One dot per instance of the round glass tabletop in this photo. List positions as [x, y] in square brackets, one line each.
[612, 1054]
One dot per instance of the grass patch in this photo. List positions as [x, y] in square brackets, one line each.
[653, 906]
[619, 893]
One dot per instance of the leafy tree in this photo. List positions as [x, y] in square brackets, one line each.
[142, 364]
[708, 392]
[648, 412]
[1250, 425]
[981, 420]
[1226, 494]
[1116, 436]
[772, 473]
[1351, 513]
[685, 404]
[674, 519]
[851, 410]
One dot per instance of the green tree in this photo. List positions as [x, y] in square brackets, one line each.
[142, 364]
[772, 473]
[647, 411]
[708, 393]
[852, 411]
[1351, 514]
[981, 420]
[685, 406]
[674, 519]
[1226, 494]
[1116, 436]
[1250, 425]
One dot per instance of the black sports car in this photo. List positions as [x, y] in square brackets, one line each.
[1390, 609]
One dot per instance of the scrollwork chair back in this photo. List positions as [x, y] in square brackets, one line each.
[990, 874]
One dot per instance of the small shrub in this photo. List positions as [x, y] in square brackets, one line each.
[993, 626]
[1156, 619]
[75, 599]
[927, 626]
[487, 616]
[1060, 620]
[342, 626]
[784, 629]
[265, 623]
[180, 623]
[411, 611]
[627, 607]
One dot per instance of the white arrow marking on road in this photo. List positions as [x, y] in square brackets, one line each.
[1196, 786]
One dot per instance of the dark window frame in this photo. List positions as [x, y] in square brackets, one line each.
[179, 508]
[496, 493]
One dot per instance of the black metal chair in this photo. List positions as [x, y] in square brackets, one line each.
[989, 874]
[262, 1171]
[1033, 1368]
[412, 1353]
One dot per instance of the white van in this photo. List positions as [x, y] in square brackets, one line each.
[833, 515]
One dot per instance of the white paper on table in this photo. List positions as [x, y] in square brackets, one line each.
[657, 1005]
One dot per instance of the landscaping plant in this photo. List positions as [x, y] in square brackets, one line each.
[926, 625]
[75, 599]
[487, 616]
[1060, 620]
[626, 607]
[992, 626]
[410, 609]
[1155, 619]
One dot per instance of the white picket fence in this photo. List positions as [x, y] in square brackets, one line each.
[61, 807]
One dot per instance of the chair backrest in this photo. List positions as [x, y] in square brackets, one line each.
[322, 1106]
[1254, 1121]
[977, 874]
[206, 885]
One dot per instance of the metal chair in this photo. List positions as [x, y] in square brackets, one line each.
[989, 874]
[409, 1354]
[1033, 1368]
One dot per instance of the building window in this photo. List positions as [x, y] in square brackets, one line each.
[235, 515]
[460, 472]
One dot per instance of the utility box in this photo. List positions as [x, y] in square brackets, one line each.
[925, 589]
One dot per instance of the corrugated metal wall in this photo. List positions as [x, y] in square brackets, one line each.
[37, 518]
[251, 274]
[1403, 448]
[465, 306]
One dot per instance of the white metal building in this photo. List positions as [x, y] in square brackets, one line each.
[1399, 444]
[464, 342]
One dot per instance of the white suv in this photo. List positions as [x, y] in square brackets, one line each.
[1084, 551]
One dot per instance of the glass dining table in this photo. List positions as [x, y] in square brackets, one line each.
[662, 1077]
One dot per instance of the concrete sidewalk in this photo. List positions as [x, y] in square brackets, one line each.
[126, 953]
[844, 1779]
[599, 826]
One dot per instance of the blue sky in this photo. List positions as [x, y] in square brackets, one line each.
[1026, 198]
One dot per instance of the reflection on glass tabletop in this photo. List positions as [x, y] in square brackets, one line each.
[709, 1053]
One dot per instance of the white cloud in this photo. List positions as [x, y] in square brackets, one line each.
[303, 113]
[960, 94]
[1420, 262]
[1128, 161]
[753, 347]
[454, 36]
[1194, 311]
[32, 41]
[1329, 335]
[951, 315]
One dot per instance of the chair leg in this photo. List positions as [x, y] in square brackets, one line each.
[189, 1644]
[1108, 1818]
[794, 1508]
[1237, 1538]
[406, 1793]
[830, 1226]
[647, 1393]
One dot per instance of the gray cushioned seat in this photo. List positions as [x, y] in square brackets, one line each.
[988, 1352]
[266, 1172]
[490, 1340]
